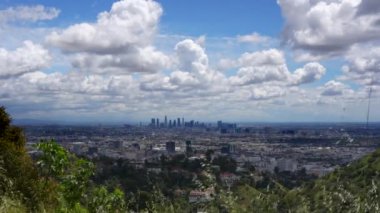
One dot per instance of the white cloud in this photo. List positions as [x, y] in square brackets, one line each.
[309, 73]
[191, 57]
[335, 88]
[156, 82]
[363, 65]
[40, 87]
[146, 60]
[267, 92]
[28, 14]
[28, 58]
[128, 25]
[364, 59]
[270, 66]
[259, 67]
[119, 42]
[252, 38]
[183, 79]
[368, 7]
[191, 72]
[256, 75]
[325, 28]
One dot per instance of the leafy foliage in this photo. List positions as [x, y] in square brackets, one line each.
[18, 176]
[73, 175]
[54, 159]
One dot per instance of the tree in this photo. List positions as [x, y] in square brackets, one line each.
[18, 169]
[73, 175]
[5, 120]
[226, 164]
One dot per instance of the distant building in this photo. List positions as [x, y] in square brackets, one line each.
[136, 146]
[226, 127]
[225, 150]
[78, 147]
[223, 130]
[117, 144]
[228, 178]
[219, 124]
[170, 147]
[286, 164]
[157, 122]
[188, 147]
[166, 121]
[197, 196]
[92, 150]
[178, 122]
[228, 149]
[154, 170]
[153, 122]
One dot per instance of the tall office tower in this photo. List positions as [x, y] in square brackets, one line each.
[170, 123]
[153, 122]
[183, 121]
[174, 123]
[157, 122]
[170, 147]
[178, 122]
[166, 121]
[220, 124]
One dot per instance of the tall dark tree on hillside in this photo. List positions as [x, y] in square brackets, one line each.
[5, 120]
[18, 167]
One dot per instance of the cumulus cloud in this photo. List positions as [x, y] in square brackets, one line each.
[60, 94]
[128, 24]
[266, 92]
[146, 60]
[334, 88]
[252, 38]
[72, 84]
[191, 73]
[259, 67]
[156, 82]
[28, 58]
[28, 13]
[327, 28]
[363, 65]
[368, 7]
[309, 73]
[364, 59]
[120, 41]
[191, 57]
[270, 66]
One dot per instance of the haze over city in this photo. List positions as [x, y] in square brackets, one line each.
[239, 61]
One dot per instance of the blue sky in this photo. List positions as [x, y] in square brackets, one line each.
[181, 17]
[129, 60]
[214, 18]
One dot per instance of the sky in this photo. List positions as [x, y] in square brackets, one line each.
[242, 61]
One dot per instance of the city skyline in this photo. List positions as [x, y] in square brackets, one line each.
[242, 61]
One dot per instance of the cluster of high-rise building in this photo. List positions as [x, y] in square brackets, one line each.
[318, 148]
[174, 123]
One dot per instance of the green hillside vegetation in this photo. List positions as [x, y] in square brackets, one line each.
[59, 181]
[353, 188]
